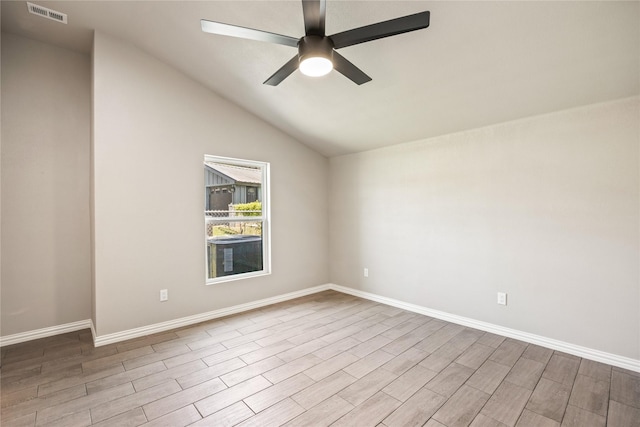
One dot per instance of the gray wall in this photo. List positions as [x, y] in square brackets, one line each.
[545, 209]
[149, 117]
[45, 190]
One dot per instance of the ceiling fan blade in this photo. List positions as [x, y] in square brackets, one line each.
[283, 72]
[380, 30]
[350, 71]
[314, 12]
[246, 33]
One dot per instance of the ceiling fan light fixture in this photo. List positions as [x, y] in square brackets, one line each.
[316, 66]
[315, 55]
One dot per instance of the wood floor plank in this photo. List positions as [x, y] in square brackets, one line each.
[577, 417]
[217, 338]
[625, 388]
[329, 351]
[124, 377]
[125, 403]
[274, 394]
[369, 413]
[439, 338]
[562, 369]
[81, 378]
[323, 414]
[145, 341]
[171, 397]
[434, 423]
[491, 340]
[161, 376]
[18, 396]
[267, 352]
[56, 365]
[116, 358]
[229, 416]
[418, 328]
[296, 351]
[228, 397]
[475, 355]
[83, 403]
[462, 408]
[222, 356]
[52, 400]
[508, 352]
[590, 394]
[507, 403]
[450, 379]
[531, 419]
[324, 369]
[366, 386]
[549, 399]
[179, 418]
[239, 375]
[405, 361]
[442, 357]
[78, 419]
[483, 421]
[525, 373]
[323, 389]
[410, 382]
[596, 370]
[537, 353]
[292, 368]
[132, 418]
[275, 415]
[489, 376]
[416, 410]
[623, 415]
[367, 347]
[466, 338]
[367, 364]
[214, 371]
[407, 337]
[372, 331]
[183, 357]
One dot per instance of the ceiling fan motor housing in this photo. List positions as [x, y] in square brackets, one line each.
[315, 46]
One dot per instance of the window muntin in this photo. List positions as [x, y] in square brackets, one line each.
[236, 213]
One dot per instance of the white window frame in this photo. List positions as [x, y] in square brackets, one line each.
[265, 218]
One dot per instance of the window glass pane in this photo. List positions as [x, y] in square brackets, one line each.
[234, 217]
[234, 248]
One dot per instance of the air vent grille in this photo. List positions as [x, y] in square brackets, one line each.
[45, 12]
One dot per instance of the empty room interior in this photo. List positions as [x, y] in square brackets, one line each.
[313, 213]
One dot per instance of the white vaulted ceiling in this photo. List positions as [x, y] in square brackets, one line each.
[479, 62]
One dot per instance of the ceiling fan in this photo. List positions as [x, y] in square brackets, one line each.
[317, 54]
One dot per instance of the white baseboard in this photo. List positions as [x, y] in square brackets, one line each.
[190, 320]
[587, 353]
[45, 332]
[576, 350]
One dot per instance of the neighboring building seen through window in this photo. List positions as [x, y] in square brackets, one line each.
[236, 218]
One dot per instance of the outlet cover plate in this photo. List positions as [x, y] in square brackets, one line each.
[502, 298]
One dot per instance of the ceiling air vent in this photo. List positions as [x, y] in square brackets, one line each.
[45, 12]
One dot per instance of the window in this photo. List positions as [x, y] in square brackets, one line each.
[236, 218]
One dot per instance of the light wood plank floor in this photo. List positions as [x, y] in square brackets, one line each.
[325, 359]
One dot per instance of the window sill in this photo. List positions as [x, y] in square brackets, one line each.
[234, 277]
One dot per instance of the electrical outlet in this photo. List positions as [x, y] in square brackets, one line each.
[366, 272]
[502, 298]
[164, 294]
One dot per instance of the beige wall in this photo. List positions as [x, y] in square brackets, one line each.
[152, 126]
[545, 209]
[45, 191]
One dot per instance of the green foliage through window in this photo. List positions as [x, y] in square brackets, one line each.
[254, 208]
